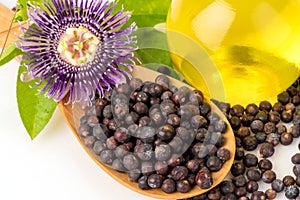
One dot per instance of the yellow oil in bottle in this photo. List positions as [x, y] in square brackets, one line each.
[254, 46]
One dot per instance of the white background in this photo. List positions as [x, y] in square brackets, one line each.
[54, 165]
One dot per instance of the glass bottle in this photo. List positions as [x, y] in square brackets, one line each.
[254, 46]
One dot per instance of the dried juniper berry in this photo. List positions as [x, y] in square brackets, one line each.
[278, 107]
[258, 195]
[107, 156]
[296, 158]
[89, 141]
[273, 138]
[164, 70]
[162, 152]
[238, 168]
[144, 151]
[240, 192]
[193, 165]
[179, 173]
[296, 170]
[251, 186]
[283, 97]
[183, 133]
[98, 147]
[265, 164]
[166, 132]
[238, 142]
[163, 81]
[176, 145]
[134, 175]
[155, 89]
[121, 135]
[173, 120]
[175, 160]
[131, 162]
[136, 83]
[226, 187]
[277, 185]
[281, 129]
[155, 181]
[140, 108]
[168, 186]
[266, 150]
[252, 109]
[84, 130]
[214, 194]
[286, 138]
[131, 118]
[250, 160]
[220, 126]
[166, 95]
[257, 126]
[253, 174]
[214, 164]
[287, 116]
[291, 192]
[239, 153]
[274, 117]
[250, 143]
[247, 119]
[204, 178]
[265, 106]
[205, 109]
[118, 165]
[260, 137]
[269, 127]
[243, 132]
[262, 116]
[271, 194]
[92, 120]
[161, 168]
[167, 107]
[295, 131]
[239, 181]
[235, 122]
[237, 110]
[144, 121]
[196, 97]
[111, 143]
[183, 186]
[198, 121]
[223, 154]
[288, 180]
[268, 176]
[143, 183]
[200, 150]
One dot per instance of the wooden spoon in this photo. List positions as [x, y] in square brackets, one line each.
[72, 117]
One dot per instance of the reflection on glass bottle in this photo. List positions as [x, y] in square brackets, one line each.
[254, 44]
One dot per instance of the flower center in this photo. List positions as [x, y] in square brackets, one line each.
[78, 46]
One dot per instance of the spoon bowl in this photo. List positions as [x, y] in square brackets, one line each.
[72, 117]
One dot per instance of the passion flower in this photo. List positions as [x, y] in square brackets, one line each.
[77, 47]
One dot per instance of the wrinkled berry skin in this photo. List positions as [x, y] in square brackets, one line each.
[204, 179]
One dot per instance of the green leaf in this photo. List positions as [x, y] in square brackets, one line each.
[153, 47]
[35, 109]
[152, 44]
[9, 53]
[146, 13]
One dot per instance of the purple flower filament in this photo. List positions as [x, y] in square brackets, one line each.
[77, 47]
